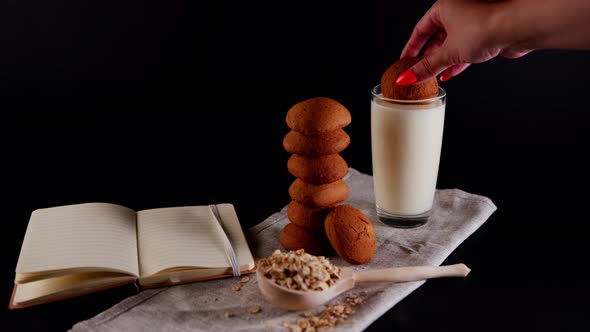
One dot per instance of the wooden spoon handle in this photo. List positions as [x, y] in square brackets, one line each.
[412, 273]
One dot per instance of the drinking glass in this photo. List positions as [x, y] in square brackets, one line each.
[406, 140]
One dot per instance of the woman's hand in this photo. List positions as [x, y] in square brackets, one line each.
[452, 35]
[456, 33]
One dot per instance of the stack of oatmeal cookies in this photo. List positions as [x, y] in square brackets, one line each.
[316, 139]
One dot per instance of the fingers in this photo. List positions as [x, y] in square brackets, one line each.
[426, 27]
[428, 67]
[435, 42]
[453, 71]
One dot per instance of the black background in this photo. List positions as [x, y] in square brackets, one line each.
[162, 104]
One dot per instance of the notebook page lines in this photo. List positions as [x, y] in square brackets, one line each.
[83, 235]
[180, 236]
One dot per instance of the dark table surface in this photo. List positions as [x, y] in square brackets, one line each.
[113, 111]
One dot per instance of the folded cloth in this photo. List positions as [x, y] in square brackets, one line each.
[215, 306]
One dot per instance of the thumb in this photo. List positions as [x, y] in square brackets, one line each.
[428, 67]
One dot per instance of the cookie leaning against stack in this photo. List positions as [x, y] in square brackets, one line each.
[316, 139]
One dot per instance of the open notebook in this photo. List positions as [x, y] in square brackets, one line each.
[77, 249]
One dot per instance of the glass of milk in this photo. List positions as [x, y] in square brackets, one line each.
[406, 139]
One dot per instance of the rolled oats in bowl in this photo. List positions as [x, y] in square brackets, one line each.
[298, 270]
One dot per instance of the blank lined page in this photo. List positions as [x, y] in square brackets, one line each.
[84, 235]
[180, 236]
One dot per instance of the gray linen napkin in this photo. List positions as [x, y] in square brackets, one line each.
[201, 306]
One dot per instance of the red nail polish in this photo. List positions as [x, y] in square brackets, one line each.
[406, 78]
[444, 77]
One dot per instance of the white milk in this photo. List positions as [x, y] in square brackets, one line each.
[406, 142]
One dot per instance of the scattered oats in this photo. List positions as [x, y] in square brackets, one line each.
[254, 309]
[334, 314]
[299, 270]
[236, 287]
[255, 281]
[245, 279]
[228, 314]
[354, 300]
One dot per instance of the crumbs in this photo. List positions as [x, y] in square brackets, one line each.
[255, 309]
[334, 314]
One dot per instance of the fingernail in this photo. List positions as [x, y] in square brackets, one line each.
[406, 78]
[444, 77]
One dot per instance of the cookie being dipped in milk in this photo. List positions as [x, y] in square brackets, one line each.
[389, 89]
